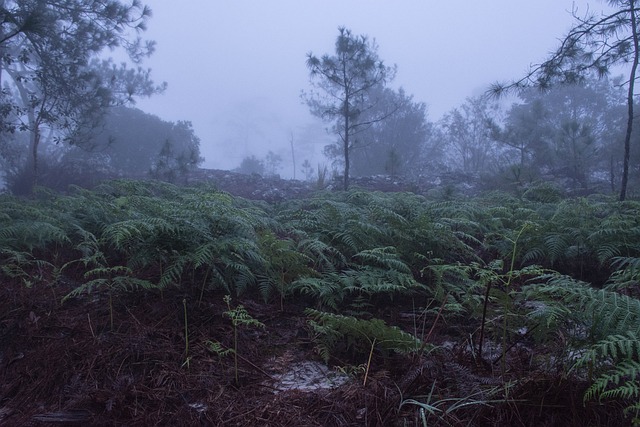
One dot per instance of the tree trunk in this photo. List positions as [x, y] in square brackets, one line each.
[612, 174]
[35, 143]
[632, 77]
[346, 142]
[346, 163]
[293, 156]
[34, 128]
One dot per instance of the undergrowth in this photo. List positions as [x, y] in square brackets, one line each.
[512, 271]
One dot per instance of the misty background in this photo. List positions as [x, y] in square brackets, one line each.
[178, 93]
[236, 69]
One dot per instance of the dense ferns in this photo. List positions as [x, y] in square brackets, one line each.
[531, 262]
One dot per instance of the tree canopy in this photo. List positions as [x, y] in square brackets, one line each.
[344, 89]
[393, 145]
[52, 72]
[594, 45]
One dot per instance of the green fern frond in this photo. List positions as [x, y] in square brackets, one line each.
[358, 334]
[556, 245]
[19, 264]
[621, 382]
[385, 257]
[29, 235]
[613, 348]
[126, 233]
[626, 275]
[328, 290]
[609, 312]
[112, 279]
[326, 257]
[377, 281]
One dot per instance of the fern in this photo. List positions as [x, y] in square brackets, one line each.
[357, 335]
[23, 266]
[614, 320]
[118, 278]
[386, 258]
[30, 235]
[621, 382]
[282, 265]
[607, 312]
[328, 290]
[323, 257]
[612, 348]
[453, 286]
[114, 279]
[626, 275]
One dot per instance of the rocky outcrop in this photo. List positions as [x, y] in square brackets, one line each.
[274, 189]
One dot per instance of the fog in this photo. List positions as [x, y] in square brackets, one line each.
[235, 69]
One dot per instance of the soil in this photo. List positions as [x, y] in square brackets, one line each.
[64, 365]
[150, 359]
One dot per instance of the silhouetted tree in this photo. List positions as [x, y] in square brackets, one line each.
[392, 145]
[528, 135]
[566, 132]
[50, 75]
[307, 169]
[136, 142]
[595, 44]
[470, 147]
[250, 165]
[129, 143]
[272, 163]
[347, 81]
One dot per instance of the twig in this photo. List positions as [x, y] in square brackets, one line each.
[91, 327]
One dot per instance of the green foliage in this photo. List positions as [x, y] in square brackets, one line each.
[251, 165]
[23, 266]
[50, 58]
[240, 318]
[611, 321]
[218, 349]
[283, 264]
[620, 379]
[372, 272]
[353, 253]
[604, 312]
[347, 82]
[442, 409]
[627, 274]
[336, 332]
[544, 193]
[114, 279]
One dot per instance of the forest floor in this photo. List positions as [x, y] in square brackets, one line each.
[63, 364]
[163, 358]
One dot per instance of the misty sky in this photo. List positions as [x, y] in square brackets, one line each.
[235, 69]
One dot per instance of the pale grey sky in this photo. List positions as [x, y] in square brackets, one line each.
[235, 69]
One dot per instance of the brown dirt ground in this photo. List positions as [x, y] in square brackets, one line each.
[62, 364]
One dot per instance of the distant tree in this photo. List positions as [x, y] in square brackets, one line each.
[470, 147]
[272, 163]
[527, 136]
[51, 78]
[129, 143]
[594, 44]
[392, 145]
[346, 82]
[565, 132]
[136, 142]
[431, 162]
[307, 169]
[583, 126]
[251, 165]
[174, 162]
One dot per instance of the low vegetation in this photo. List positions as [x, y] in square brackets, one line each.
[121, 305]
